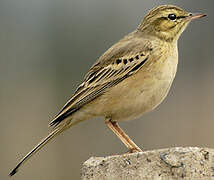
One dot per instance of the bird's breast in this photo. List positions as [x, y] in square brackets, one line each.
[137, 94]
[141, 92]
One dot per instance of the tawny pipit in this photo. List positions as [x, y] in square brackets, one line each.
[129, 79]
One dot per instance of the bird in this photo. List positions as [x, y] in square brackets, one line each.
[131, 78]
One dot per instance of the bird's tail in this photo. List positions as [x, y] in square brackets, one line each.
[43, 142]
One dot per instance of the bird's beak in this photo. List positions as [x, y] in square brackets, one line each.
[195, 16]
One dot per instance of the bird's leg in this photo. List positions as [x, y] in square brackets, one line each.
[122, 136]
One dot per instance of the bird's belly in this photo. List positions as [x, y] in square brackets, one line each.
[134, 104]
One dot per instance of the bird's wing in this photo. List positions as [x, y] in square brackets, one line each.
[118, 63]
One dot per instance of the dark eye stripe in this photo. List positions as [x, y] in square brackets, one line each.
[178, 17]
[166, 18]
[181, 17]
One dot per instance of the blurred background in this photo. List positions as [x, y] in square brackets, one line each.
[47, 46]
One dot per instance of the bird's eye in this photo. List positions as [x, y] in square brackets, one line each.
[172, 17]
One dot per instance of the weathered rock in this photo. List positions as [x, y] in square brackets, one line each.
[172, 163]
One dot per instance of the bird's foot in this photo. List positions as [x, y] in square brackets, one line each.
[133, 150]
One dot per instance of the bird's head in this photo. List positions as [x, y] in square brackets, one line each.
[167, 22]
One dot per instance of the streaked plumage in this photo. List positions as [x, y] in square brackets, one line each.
[129, 79]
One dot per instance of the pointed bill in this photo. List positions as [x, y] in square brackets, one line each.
[195, 16]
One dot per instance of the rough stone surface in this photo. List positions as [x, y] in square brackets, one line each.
[172, 163]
